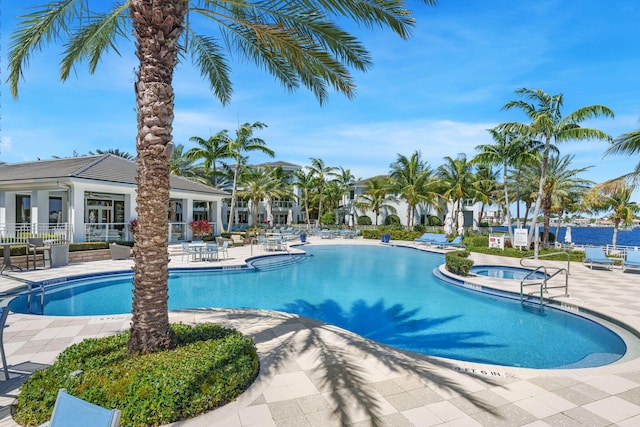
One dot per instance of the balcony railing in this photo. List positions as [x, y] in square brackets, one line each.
[19, 232]
[109, 232]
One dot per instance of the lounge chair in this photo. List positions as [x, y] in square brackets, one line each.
[632, 260]
[119, 251]
[457, 241]
[596, 256]
[431, 238]
[70, 411]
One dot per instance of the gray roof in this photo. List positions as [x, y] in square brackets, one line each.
[106, 168]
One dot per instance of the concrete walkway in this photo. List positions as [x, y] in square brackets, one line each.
[314, 374]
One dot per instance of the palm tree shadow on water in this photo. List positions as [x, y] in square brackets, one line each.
[397, 327]
[339, 355]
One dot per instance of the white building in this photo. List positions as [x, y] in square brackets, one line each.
[92, 198]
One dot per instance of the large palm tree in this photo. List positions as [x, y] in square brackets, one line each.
[507, 150]
[244, 142]
[209, 150]
[457, 181]
[298, 42]
[321, 173]
[549, 126]
[259, 183]
[614, 197]
[561, 181]
[377, 196]
[411, 179]
[304, 181]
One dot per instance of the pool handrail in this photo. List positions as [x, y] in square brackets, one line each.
[558, 270]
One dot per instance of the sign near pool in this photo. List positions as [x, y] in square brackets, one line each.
[496, 242]
[520, 237]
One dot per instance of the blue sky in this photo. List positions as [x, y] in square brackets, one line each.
[437, 92]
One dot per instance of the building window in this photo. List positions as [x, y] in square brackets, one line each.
[55, 210]
[200, 211]
[23, 209]
[175, 211]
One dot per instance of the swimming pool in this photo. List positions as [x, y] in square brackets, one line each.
[387, 294]
[505, 272]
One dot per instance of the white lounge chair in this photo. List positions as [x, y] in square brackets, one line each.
[70, 411]
[596, 256]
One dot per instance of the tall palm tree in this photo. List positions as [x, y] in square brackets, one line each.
[304, 181]
[377, 195]
[506, 151]
[344, 180]
[411, 179]
[548, 125]
[298, 42]
[259, 183]
[321, 174]
[486, 187]
[560, 183]
[244, 142]
[210, 150]
[614, 197]
[457, 180]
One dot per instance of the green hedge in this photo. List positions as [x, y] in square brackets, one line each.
[458, 262]
[209, 367]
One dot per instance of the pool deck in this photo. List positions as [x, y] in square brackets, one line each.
[314, 374]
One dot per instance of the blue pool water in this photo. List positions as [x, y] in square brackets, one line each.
[504, 272]
[387, 294]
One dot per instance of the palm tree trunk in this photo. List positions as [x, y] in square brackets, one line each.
[157, 26]
[506, 201]
[543, 175]
[234, 195]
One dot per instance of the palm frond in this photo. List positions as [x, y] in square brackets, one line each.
[42, 26]
[206, 55]
[93, 39]
[628, 143]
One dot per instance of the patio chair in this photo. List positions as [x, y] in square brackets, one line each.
[632, 260]
[70, 411]
[189, 251]
[596, 256]
[211, 251]
[119, 251]
[36, 246]
[224, 249]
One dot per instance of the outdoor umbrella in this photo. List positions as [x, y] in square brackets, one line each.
[448, 224]
[460, 223]
[567, 235]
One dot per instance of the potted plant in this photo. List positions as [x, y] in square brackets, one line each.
[303, 236]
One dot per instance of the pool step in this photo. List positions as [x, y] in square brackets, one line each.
[276, 262]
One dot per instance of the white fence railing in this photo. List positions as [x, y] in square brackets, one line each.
[19, 232]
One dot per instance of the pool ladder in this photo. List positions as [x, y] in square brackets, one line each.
[543, 284]
[30, 286]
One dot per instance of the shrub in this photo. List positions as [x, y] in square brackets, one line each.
[419, 228]
[457, 262]
[364, 220]
[434, 220]
[392, 220]
[209, 367]
[328, 218]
